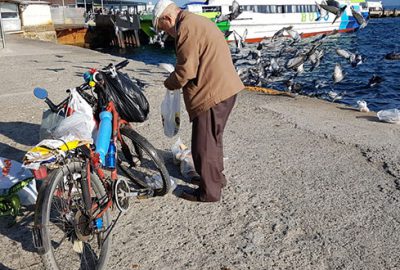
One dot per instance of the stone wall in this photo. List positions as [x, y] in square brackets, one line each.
[40, 32]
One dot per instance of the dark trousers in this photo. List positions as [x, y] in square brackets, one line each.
[207, 150]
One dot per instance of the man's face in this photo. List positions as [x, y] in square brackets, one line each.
[166, 23]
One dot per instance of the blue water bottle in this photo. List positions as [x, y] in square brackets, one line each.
[104, 135]
[110, 158]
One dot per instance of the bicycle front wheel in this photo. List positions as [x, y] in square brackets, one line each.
[71, 238]
[141, 162]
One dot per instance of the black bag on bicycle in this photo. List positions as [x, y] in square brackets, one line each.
[128, 97]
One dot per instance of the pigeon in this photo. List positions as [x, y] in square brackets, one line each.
[321, 12]
[336, 96]
[230, 16]
[338, 75]
[359, 18]
[294, 35]
[375, 80]
[280, 33]
[334, 10]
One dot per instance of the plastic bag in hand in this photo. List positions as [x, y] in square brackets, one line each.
[171, 108]
[171, 112]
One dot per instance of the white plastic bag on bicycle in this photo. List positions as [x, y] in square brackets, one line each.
[80, 124]
[171, 108]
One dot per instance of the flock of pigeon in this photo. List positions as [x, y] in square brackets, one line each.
[277, 62]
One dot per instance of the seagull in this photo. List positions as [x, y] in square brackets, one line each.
[362, 106]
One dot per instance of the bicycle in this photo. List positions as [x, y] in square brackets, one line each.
[73, 223]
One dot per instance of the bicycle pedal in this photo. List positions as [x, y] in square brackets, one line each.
[37, 238]
[145, 194]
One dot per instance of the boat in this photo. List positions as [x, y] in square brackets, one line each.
[263, 18]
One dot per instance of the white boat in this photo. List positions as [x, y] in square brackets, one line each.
[374, 5]
[263, 18]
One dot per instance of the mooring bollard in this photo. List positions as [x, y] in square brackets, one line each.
[2, 34]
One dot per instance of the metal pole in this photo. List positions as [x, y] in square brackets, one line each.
[3, 36]
[102, 7]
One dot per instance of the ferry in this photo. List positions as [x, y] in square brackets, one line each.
[263, 18]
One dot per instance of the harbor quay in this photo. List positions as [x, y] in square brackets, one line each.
[311, 184]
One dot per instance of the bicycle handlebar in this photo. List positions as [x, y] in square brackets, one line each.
[90, 99]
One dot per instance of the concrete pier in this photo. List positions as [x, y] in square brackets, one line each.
[311, 184]
[384, 13]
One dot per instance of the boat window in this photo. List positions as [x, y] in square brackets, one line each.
[212, 9]
[249, 8]
[279, 9]
[288, 9]
[261, 9]
[264, 9]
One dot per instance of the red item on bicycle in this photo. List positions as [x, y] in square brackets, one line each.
[40, 173]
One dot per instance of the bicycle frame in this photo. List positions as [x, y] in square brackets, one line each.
[94, 160]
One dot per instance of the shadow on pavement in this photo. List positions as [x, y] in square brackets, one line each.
[21, 133]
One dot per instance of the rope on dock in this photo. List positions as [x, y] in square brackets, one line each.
[268, 91]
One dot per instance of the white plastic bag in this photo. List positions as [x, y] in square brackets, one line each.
[81, 123]
[390, 116]
[78, 104]
[171, 108]
[78, 125]
[182, 155]
[171, 112]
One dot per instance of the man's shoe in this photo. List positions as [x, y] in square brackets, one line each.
[192, 195]
[195, 180]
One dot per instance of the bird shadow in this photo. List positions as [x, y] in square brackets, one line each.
[54, 69]
[347, 109]
[82, 67]
[369, 118]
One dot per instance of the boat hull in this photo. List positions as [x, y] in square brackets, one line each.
[259, 26]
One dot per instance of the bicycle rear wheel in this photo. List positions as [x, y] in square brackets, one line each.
[71, 238]
[140, 161]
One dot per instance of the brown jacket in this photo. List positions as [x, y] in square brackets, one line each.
[204, 68]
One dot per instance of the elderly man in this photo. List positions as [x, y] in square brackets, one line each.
[205, 72]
